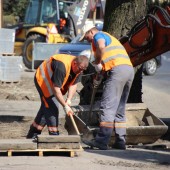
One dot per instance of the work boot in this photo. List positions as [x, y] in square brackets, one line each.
[103, 135]
[54, 133]
[95, 144]
[120, 142]
[119, 145]
[33, 132]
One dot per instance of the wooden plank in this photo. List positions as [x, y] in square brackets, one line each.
[72, 154]
[59, 145]
[58, 139]
[41, 152]
[17, 144]
[9, 153]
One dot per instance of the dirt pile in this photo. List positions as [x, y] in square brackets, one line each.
[23, 90]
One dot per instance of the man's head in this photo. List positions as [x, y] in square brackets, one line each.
[80, 63]
[61, 6]
[88, 31]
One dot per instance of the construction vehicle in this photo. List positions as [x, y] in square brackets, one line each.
[68, 16]
[149, 38]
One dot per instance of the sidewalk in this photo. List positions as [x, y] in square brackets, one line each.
[130, 159]
[156, 101]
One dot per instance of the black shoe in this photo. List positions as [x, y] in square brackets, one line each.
[121, 146]
[33, 132]
[35, 137]
[95, 144]
[32, 136]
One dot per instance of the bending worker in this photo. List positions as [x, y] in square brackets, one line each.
[112, 61]
[53, 79]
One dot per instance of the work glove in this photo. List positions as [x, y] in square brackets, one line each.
[68, 102]
[98, 67]
[97, 80]
[67, 109]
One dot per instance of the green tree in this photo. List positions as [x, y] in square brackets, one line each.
[15, 7]
[121, 15]
[19, 8]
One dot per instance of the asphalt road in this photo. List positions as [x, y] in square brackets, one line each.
[161, 79]
[156, 89]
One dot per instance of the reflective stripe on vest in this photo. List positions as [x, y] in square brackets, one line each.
[114, 54]
[114, 57]
[45, 79]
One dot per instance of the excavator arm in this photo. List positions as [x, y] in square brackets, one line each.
[79, 11]
[148, 38]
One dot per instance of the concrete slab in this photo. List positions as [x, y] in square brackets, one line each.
[17, 144]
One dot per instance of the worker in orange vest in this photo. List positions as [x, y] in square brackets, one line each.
[113, 63]
[53, 79]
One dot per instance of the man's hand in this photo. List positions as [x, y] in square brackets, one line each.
[68, 102]
[97, 80]
[98, 67]
[68, 110]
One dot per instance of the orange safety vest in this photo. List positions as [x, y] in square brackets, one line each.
[62, 22]
[114, 55]
[44, 74]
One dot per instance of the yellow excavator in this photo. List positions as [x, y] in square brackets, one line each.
[68, 17]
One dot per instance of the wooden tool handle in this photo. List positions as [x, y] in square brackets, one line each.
[74, 124]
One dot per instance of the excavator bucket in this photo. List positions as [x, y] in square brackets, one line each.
[142, 126]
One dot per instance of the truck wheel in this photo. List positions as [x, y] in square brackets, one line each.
[150, 67]
[27, 50]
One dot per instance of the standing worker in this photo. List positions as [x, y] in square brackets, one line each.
[54, 77]
[112, 61]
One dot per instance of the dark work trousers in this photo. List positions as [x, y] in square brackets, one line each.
[115, 94]
[47, 115]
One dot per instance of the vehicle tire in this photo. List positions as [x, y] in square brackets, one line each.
[27, 50]
[150, 67]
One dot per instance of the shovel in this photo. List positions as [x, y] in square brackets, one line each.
[98, 78]
[74, 124]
